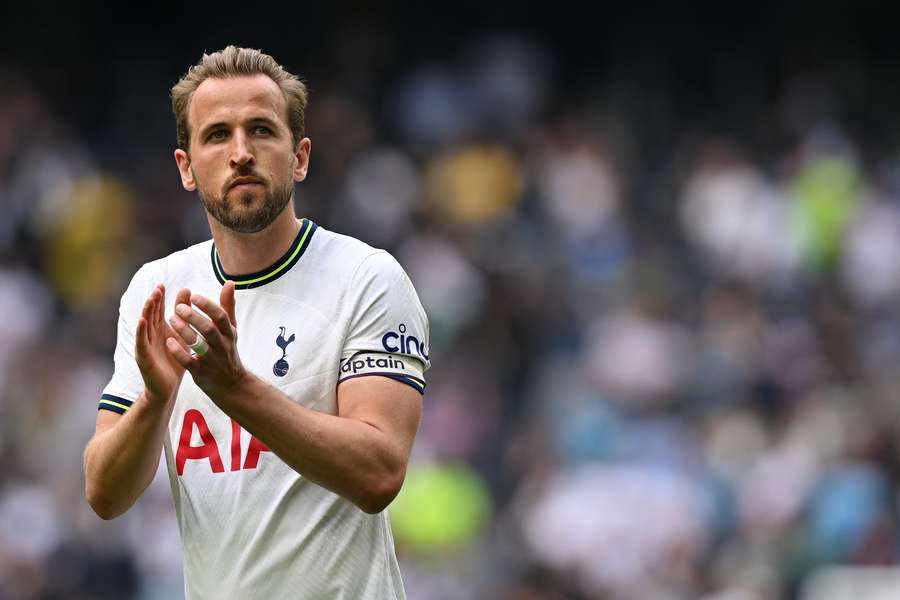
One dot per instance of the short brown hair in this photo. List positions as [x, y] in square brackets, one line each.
[236, 62]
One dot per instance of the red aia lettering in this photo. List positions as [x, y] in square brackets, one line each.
[235, 446]
[208, 450]
[253, 451]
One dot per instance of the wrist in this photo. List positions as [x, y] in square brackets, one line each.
[157, 401]
[160, 393]
[238, 388]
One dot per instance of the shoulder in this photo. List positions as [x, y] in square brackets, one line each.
[371, 275]
[173, 269]
[341, 254]
[181, 262]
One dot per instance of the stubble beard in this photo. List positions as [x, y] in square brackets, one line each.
[228, 209]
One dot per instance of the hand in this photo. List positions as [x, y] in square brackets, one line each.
[162, 374]
[220, 369]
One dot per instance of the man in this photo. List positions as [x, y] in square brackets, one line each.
[287, 422]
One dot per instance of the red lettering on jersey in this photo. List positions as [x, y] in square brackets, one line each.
[208, 450]
[235, 446]
[253, 451]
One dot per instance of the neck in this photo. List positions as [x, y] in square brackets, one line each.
[243, 253]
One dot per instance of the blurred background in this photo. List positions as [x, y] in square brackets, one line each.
[659, 247]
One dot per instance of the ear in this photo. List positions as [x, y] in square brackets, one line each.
[301, 153]
[183, 160]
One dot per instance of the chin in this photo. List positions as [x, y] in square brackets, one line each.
[245, 223]
[246, 198]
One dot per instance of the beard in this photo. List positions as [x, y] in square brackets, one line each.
[233, 209]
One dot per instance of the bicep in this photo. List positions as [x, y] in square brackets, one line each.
[392, 407]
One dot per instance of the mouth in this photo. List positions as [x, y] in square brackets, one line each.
[244, 181]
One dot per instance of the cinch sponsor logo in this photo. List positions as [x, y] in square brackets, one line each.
[353, 366]
[400, 342]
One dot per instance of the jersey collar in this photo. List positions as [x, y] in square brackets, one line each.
[276, 270]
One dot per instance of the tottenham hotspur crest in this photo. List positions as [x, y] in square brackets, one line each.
[281, 366]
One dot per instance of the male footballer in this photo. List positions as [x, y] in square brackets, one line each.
[284, 378]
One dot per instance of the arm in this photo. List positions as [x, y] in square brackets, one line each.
[121, 458]
[360, 454]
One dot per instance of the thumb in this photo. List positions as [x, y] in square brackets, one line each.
[226, 299]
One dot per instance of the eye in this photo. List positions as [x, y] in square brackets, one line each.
[262, 130]
[217, 135]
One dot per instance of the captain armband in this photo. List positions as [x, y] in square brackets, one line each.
[405, 369]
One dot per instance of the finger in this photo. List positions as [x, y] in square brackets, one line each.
[183, 296]
[226, 299]
[180, 355]
[160, 309]
[141, 339]
[147, 314]
[215, 312]
[151, 316]
[188, 335]
[171, 333]
[180, 338]
[199, 322]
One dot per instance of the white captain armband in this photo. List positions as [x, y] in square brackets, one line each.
[400, 367]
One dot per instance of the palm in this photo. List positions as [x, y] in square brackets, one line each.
[161, 372]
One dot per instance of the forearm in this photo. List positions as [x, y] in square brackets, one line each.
[120, 462]
[350, 457]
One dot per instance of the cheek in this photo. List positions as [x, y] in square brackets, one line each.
[280, 169]
[205, 172]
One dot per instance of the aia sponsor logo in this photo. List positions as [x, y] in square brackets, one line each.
[208, 450]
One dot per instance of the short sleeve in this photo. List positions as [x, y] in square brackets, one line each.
[388, 330]
[126, 384]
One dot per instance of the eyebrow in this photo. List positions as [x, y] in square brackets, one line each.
[209, 128]
[222, 124]
[263, 120]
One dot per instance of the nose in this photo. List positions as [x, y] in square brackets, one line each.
[241, 150]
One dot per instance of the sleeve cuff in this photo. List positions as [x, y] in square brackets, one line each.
[117, 404]
[413, 382]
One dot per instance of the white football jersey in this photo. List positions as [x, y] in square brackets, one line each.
[330, 309]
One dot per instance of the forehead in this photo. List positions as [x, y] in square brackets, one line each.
[236, 99]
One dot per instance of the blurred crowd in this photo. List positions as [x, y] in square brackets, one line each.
[659, 373]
